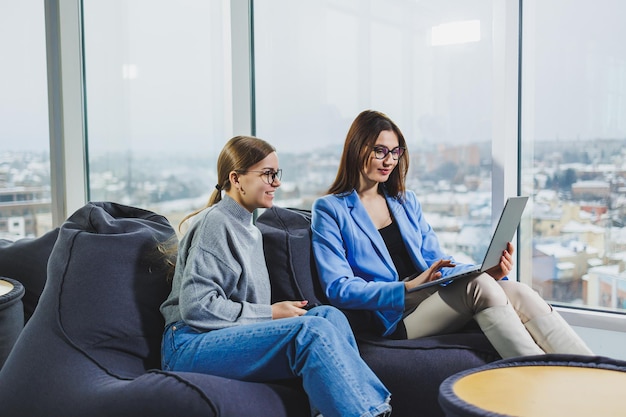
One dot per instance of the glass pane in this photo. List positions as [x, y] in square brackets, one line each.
[25, 204]
[574, 150]
[428, 65]
[158, 101]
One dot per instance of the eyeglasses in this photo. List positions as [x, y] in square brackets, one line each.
[381, 152]
[269, 176]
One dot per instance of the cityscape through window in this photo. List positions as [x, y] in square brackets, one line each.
[159, 105]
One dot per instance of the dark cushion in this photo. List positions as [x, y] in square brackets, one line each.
[106, 256]
[26, 260]
[412, 370]
[289, 255]
[11, 316]
[92, 347]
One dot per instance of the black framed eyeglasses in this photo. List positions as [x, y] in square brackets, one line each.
[381, 152]
[268, 175]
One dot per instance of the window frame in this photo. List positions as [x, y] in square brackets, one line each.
[66, 92]
[68, 130]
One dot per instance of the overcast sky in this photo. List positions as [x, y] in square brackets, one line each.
[23, 85]
[574, 73]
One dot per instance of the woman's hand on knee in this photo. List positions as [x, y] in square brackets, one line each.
[285, 309]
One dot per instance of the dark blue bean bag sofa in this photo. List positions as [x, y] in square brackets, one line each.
[91, 341]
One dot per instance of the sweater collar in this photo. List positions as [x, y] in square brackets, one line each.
[235, 209]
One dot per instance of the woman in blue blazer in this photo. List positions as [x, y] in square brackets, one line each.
[369, 233]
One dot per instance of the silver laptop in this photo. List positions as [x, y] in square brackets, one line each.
[504, 232]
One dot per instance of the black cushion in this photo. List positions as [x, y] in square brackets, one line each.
[11, 316]
[106, 256]
[26, 260]
[289, 255]
[413, 369]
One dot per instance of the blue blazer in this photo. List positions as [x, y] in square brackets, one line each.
[354, 265]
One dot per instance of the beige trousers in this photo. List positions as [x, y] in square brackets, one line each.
[438, 310]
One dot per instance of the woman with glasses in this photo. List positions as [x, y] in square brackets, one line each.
[219, 317]
[369, 233]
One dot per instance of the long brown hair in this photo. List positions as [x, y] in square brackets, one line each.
[239, 154]
[357, 150]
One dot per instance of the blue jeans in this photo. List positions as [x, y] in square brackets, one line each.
[319, 347]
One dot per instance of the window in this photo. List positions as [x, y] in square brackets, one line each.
[158, 109]
[428, 65]
[574, 151]
[25, 204]
[158, 99]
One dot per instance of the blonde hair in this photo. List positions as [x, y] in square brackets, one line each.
[239, 154]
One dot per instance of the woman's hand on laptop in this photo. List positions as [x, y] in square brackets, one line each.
[506, 264]
[430, 274]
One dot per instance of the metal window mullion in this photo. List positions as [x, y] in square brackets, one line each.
[68, 155]
[505, 140]
[242, 67]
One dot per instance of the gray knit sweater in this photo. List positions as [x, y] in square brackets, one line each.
[221, 279]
